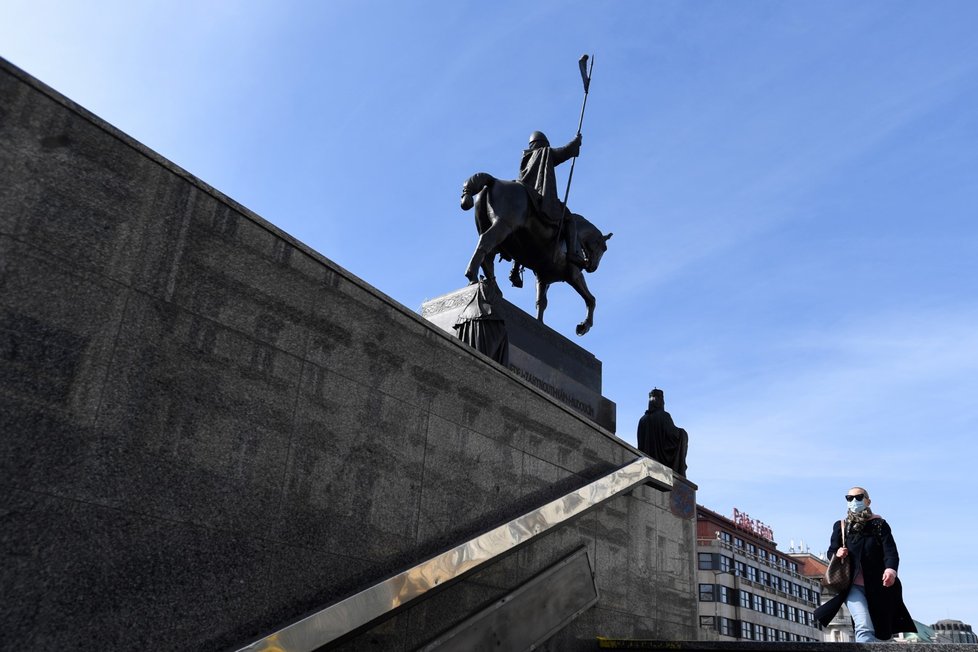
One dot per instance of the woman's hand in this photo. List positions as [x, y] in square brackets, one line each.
[841, 553]
[889, 577]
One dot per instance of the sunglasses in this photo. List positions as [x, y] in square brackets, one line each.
[849, 499]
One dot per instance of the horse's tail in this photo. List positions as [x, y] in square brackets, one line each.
[473, 186]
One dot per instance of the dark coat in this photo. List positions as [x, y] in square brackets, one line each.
[873, 552]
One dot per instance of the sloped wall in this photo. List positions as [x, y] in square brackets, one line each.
[208, 429]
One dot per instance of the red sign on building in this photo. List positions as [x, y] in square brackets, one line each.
[745, 522]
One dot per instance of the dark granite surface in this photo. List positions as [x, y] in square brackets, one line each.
[208, 430]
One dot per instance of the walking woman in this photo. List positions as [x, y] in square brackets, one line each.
[875, 595]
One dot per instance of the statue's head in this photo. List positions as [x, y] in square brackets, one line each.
[657, 398]
[538, 140]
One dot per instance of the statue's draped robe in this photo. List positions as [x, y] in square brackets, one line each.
[662, 440]
[537, 176]
[483, 328]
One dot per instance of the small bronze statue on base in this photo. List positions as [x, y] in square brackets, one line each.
[659, 437]
[482, 327]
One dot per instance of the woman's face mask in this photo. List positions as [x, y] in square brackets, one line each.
[856, 506]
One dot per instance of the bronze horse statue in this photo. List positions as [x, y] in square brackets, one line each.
[508, 226]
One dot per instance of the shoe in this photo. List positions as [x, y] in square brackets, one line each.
[515, 278]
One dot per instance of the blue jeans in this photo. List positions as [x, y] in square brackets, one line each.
[859, 609]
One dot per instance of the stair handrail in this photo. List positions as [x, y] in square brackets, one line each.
[339, 619]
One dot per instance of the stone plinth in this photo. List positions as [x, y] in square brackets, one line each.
[537, 354]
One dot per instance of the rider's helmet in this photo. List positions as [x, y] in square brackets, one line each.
[537, 139]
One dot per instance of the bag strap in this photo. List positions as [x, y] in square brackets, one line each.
[842, 526]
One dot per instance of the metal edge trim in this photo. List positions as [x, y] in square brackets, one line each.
[355, 611]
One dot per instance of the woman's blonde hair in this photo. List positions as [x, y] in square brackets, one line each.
[862, 489]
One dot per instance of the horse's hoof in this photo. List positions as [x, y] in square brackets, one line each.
[583, 328]
[466, 201]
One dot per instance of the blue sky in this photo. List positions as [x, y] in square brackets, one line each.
[793, 189]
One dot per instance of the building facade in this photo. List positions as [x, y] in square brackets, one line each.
[746, 588]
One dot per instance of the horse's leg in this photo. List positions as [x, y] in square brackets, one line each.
[489, 269]
[488, 241]
[577, 282]
[541, 298]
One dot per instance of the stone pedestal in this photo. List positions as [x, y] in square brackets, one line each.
[537, 354]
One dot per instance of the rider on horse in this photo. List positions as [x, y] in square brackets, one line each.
[537, 176]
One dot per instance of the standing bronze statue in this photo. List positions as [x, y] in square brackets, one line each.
[659, 437]
[524, 221]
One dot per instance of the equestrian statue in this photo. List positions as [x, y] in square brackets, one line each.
[524, 221]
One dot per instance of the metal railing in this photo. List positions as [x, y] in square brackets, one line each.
[375, 602]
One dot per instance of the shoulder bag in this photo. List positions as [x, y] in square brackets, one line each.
[838, 575]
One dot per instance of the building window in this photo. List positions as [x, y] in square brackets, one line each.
[726, 538]
[758, 603]
[769, 606]
[747, 630]
[745, 599]
[727, 627]
[706, 593]
[726, 564]
[707, 621]
[762, 553]
[705, 560]
[792, 614]
[794, 567]
[781, 610]
[772, 634]
[752, 549]
[740, 568]
[725, 594]
[751, 573]
[738, 542]
[765, 578]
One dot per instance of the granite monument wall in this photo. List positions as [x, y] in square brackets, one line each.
[207, 429]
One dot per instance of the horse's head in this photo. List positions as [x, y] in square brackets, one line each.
[596, 247]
